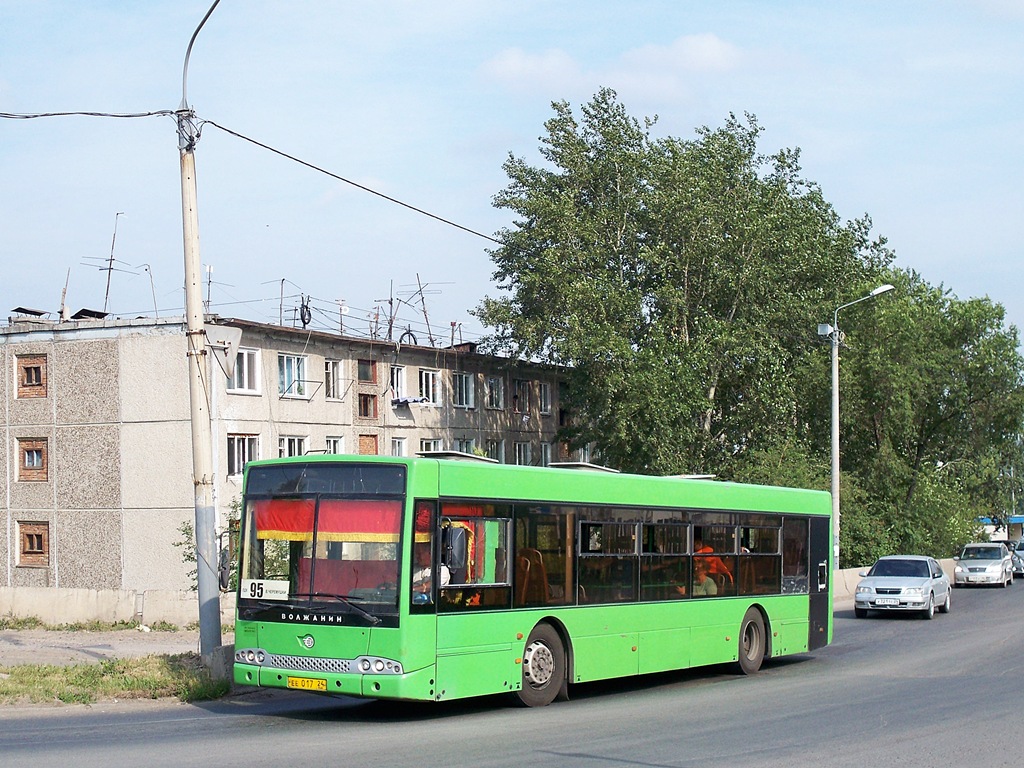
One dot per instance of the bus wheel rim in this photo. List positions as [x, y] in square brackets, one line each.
[751, 641]
[538, 664]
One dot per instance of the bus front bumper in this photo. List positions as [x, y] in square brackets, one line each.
[416, 685]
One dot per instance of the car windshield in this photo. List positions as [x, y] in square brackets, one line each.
[981, 553]
[907, 568]
[1020, 545]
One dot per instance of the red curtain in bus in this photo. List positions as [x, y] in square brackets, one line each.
[340, 520]
[285, 519]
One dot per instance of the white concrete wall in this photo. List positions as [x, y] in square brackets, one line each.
[70, 606]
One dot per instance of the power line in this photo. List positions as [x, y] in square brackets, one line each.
[353, 183]
[33, 116]
[201, 123]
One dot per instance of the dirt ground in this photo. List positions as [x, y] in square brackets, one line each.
[37, 646]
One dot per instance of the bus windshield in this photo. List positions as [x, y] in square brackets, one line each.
[323, 545]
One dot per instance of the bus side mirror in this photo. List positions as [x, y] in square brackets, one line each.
[224, 569]
[454, 547]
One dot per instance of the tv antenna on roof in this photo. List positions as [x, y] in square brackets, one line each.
[110, 261]
[421, 291]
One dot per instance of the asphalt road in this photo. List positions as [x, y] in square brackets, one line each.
[890, 691]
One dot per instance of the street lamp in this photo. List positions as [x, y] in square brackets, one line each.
[836, 338]
[202, 437]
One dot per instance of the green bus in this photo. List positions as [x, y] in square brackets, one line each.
[437, 579]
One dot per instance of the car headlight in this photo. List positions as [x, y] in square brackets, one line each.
[915, 591]
[863, 590]
[959, 569]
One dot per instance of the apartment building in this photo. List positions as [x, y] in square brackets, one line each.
[97, 432]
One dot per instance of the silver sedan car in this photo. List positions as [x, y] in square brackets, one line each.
[1018, 558]
[983, 563]
[903, 583]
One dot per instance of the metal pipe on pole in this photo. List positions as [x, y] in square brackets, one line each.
[199, 390]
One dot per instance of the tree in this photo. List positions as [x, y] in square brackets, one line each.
[674, 279]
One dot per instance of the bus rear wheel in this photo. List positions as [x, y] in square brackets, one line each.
[752, 642]
[543, 667]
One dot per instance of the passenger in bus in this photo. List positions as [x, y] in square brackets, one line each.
[715, 564]
[422, 577]
[703, 584]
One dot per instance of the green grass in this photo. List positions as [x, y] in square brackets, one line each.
[181, 676]
[31, 622]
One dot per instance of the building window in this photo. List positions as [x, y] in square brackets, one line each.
[245, 377]
[368, 445]
[335, 445]
[520, 396]
[495, 387]
[430, 386]
[496, 450]
[34, 547]
[367, 406]
[291, 375]
[463, 390]
[367, 371]
[545, 454]
[465, 444]
[431, 445]
[332, 379]
[398, 446]
[397, 381]
[291, 446]
[583, 454]
[524, 456]
[241, 450]
[545, 398]
[33, 460]
[31, 375]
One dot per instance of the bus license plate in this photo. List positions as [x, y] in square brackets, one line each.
[887, 601]
[307, 683]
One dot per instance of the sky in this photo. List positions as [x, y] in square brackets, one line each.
[910, 112]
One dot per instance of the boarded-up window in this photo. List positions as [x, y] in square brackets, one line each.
[34, 548]
[31, 376]
[368, 445]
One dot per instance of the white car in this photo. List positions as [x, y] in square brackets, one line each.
[983, 563]
[903, 583]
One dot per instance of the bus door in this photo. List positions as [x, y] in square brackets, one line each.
[818, 583]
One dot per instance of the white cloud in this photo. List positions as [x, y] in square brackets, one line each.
[554, 69]
[688, 54]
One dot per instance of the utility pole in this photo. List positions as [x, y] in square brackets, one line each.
[202, 437]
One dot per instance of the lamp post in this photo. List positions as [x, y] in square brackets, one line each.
[202, 437]
[836, 338]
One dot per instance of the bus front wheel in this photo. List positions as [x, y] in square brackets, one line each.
[752, 642]
[543, 667]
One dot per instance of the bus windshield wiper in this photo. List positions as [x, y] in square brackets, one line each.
[346, 599]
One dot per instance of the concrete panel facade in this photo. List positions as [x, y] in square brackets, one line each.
[37, 494]
[153, 368]
[87, 466]
[85, 379]
[156, 465]
[151, 559]
[88, 548]
[29, 575]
